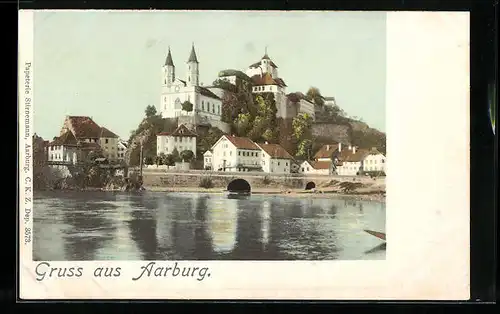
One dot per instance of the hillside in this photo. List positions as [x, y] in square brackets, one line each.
[253, 116]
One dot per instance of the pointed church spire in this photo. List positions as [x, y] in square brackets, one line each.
[265, 55]
[169, 58]
[192, 56]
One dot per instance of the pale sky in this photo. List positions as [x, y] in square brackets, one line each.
[107, 65]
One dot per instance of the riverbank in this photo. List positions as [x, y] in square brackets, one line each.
[369, 195]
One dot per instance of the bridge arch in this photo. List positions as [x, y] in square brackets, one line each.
[310, 185]
[239, 185]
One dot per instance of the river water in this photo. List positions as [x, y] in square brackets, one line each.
[71, 226]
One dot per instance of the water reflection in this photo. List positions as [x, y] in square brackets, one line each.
[161, 226]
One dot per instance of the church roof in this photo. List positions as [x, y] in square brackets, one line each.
[237, 73]
[192, 56]
[205, 92]
[169, 60]
[257, 64]
[267, 79]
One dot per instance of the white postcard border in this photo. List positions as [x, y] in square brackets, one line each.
[428, 163]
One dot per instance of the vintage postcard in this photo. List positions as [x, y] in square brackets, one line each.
[243, 155]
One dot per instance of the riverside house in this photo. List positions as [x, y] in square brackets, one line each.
[181, 139]
[326, 152]
[350, 161]
[275, 159]
[374, 161]
[207, 160]
[316, 167]
[232, 153]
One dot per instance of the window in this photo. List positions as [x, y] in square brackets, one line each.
[239, 153]
[278, 163]
[286, 164]
[202, 105]
[302, 169]
[230, 153]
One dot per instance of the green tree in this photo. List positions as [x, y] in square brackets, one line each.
[176, 156]
[169, 160]
[313, 94]
[242, 123]
[209, 139]
[301, 125]
[187, 106]
[187, 155]
[150, 111]
[304, 148]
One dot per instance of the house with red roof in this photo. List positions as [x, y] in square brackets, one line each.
[233, 153]
[275, 159]
[63, 149]
[91, 137]
[181, 139]
[349, 162]
[317, 167]
[374, 161]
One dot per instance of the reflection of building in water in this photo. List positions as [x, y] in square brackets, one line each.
[143, 225]
[87, 233]
[183, 227]
[164, 226]
[249, 231]
[202, 240]
[223, 223]
[124, 248]
[266, 221]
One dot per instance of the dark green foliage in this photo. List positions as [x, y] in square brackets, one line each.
[206, 182]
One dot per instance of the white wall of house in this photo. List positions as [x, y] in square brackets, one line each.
[109, 147]
[121, 150]
[226, 155]
[167, 143]
[60, 153]
[375, 162]
[349, 168]
[274, 165]
[307, 168]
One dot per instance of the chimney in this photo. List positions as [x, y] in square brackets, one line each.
[350, 147]
[266, 142]
[340, 147]
[327, 147]
[354, 149]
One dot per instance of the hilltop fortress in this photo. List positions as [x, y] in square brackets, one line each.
[194, 104]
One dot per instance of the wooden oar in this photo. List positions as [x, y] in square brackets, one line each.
[379, 235]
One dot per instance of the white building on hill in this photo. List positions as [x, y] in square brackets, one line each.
[181, 139]
[206, 106]
[265, 79]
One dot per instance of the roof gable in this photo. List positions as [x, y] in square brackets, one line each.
[67, 139]
[275, 151]
[107, 133]
[180, 131]
[83, 127]
[326, 151]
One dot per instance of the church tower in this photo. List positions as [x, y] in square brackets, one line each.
[193, 74]
[168, 70]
